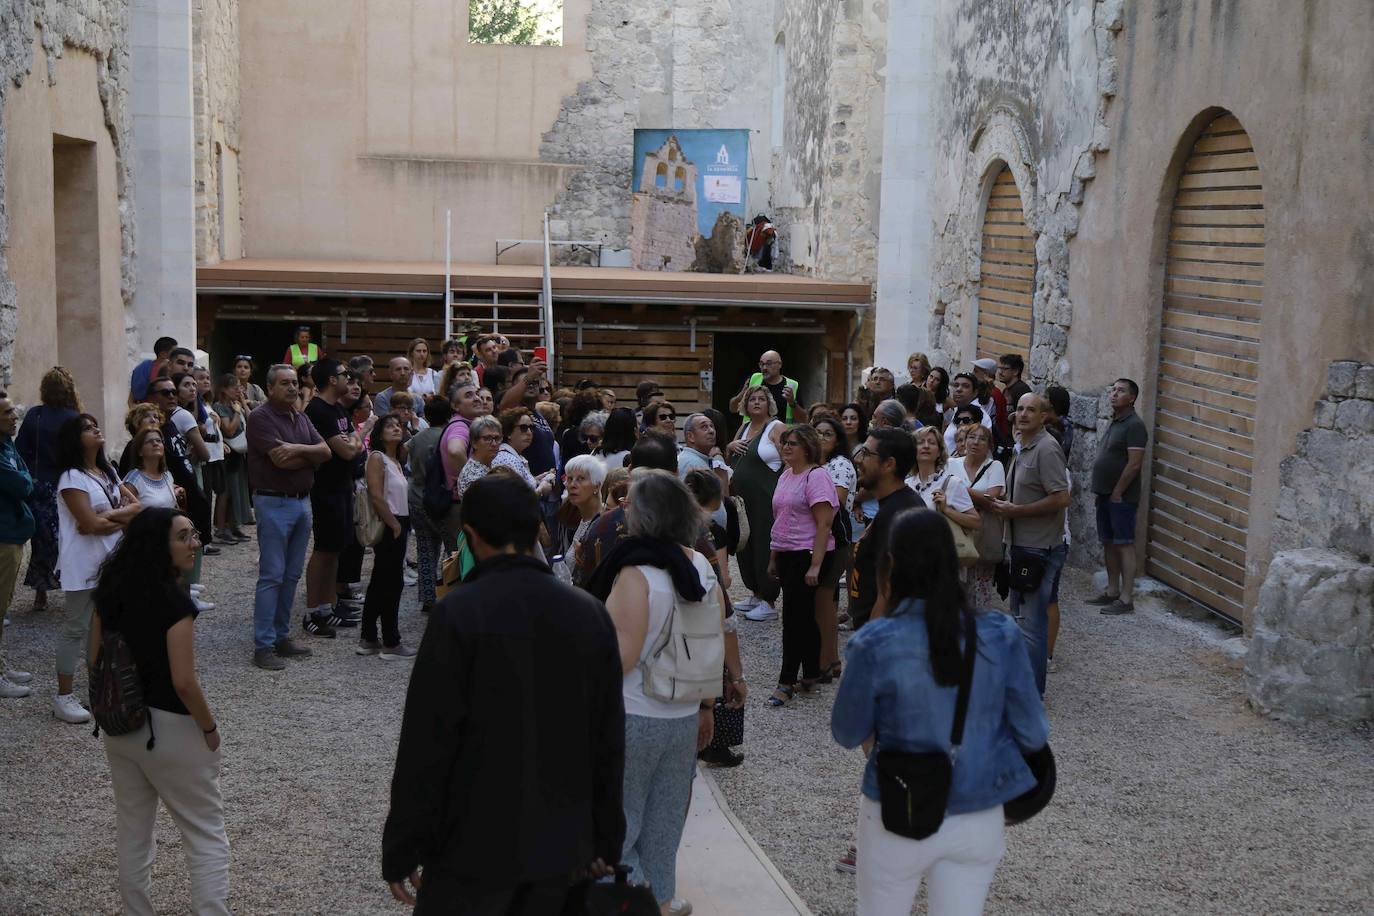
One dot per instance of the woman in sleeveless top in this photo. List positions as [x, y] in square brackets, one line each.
[149, 476]
[662, 738]
[758, 461]
[387, 491]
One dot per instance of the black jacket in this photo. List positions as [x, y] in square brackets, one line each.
[512, 751]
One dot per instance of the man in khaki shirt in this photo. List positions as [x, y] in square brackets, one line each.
[1038, 491]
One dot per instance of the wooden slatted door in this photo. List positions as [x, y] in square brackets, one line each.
[1008, 274]
[621, 359]
[1208, 371]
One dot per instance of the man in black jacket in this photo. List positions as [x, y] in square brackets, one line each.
[510, 767]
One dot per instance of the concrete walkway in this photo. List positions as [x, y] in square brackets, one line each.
[720, 868]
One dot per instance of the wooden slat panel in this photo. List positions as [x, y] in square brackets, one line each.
[1192, 551]
[1208, 324]
[1222, 547]
[1213, 271]
[1211, 416]
[1225, 365]
[1206, 450]
[1200, 503]
[1252, 197]
[1230, 254]
[993, 307]
[1219, 603]
[1204, 432]
[1199, 181]
[1244, 292]
[1213, 235]
[1224, 124]
[1251, 217]
[1206, 378]
[1213, 585]
[1210, 344]
[1007, 285]
[1205, 485]
[1242, 159]
[1222, 144]
[1229, 308]
[1234, 403]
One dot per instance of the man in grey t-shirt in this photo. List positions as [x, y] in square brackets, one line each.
[1038, 494]
[1116, 483]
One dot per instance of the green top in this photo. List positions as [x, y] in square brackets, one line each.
[779, 398]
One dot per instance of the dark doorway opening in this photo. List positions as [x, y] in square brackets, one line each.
[737, 358]
[264, 341]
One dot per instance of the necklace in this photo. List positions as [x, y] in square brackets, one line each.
[922, 488]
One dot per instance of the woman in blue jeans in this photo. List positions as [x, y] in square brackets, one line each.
[899, 688]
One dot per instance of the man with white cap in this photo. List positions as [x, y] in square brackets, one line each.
[995, 403]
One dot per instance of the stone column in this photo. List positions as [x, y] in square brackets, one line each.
[906, 223]
[164, 167]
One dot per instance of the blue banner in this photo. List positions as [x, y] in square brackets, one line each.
[714, 162]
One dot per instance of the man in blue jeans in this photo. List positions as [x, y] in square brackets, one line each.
[1038, 494]
[283, 451]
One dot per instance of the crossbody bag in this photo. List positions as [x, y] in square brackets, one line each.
[1025, 569]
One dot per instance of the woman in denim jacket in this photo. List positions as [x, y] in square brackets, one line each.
[900, 682]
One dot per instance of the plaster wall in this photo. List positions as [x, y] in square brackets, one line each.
[1294, 74]
[87, 332]
[362, 122]
[215, 101]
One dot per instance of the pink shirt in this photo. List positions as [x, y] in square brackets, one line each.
[793, 526]
[457, 428]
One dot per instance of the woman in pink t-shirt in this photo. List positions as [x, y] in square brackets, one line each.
[802, 550]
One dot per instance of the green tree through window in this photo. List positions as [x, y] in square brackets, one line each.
[515, 22]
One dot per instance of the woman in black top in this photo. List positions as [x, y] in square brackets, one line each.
[179, 760]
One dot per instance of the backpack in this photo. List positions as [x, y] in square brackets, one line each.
[438, 498]
[689, 654]
[116, 690]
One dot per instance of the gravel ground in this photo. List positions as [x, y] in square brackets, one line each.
[1174, 798]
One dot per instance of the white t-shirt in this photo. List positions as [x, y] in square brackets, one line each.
[79, 555]
[956, 491]
[615, 459]
[951, 429]
[152, 493]
[842, 472]
[768, 452]
[661, 595]
[210, 430]
[994, 476]
[423, 382]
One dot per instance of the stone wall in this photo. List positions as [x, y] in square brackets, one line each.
[215, 99]
[1312, 651]
[101, 28]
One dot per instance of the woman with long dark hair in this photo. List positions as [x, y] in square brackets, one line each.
[253, 394]
[937, 383]
[92, 511]
[899, 690]
[229, 405]
[178, 760]
[36, 444]
[618, 437]
[185, 449]
[386, 490]
[837, 463]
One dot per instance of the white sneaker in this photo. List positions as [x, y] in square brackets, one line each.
[762, 611]
[197, 588]
[68, 708]
[15, 677]
[203, 606]
[747, 604]
[679, 907]
[12, 691]
[410, 577]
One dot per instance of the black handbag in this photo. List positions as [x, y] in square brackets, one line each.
[1025, 570]
[622, 898]
[1027, 805]
[729, 726]
[913, 788]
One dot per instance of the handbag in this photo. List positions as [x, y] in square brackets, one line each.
[598, 898]
[989, 538]
[729, 726]
[1025, 570]
[1030, 803]
[741, 518]
[238, 443]
[964, 545]
[913, 788]
[839, 521]
[367, 524]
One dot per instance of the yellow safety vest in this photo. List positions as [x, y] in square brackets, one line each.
[757, 379]
[299, 359]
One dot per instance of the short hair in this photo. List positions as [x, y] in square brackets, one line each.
[931, 432]
[692, 421]
[654, 450]
[279, 367]
[620, 431]
[137, 448]
[306, 375]
[978, 430]
[973, 381]
[592, 466]
[181, 351]
[895, 444]
[483, 340]
[807, 439]
[662, 507]
[164, 345]
[597, 418]
[509, 357]
[749, 393]
[324, 370]
[1130, 383]
[483, 424]
[460, 386]
[510, 417]
[227, 380]
[401, 399]
[705, 486]
[360, 363]
[1059, 399]
[549, 411]
[653, 407]
[134, 418]
[453, 343]
[438, 411]
[1014, 362]
[893, 412]
[909, 396]
[503, 511]
[615, 486]
[971, 410]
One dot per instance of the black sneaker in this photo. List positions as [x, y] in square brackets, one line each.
[720, 757]
[346, 611]
[319, 626]
[211, 550]
[427, 607]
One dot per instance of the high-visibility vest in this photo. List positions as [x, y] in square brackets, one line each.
[298, 359]
[757, 379]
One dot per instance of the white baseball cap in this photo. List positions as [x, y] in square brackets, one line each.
[987, 364]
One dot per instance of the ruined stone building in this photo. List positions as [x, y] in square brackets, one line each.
[1164, 189]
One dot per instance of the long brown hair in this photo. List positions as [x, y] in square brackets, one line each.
[58, 389]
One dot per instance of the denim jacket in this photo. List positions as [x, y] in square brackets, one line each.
[888, 691]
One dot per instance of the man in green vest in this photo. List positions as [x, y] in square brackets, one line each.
[770, 376]
[303, 351]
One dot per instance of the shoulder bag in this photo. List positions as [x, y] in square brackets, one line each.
[989, 539]
[964, 544]
[367, 524]
[1024, 568]
[913, 788]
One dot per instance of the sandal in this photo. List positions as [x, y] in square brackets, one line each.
[832, 674]
[782, 696]
[808, 684]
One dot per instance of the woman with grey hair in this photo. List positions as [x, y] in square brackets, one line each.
[757, 456]
[650, 581]
[592, 430]
[486, 442]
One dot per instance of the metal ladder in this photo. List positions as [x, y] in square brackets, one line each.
[519, 317]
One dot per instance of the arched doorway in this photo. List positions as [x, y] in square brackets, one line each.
[1208, 372]
[1007, 282]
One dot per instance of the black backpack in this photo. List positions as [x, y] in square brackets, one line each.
[438, 498]
[116, 690]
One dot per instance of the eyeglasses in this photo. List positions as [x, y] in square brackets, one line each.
[863, 452]
[789, 443]
[491, 437]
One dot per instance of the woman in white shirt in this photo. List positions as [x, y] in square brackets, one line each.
[517, 425]
[424, 383]
[986, 481]
[150, 478]
[940, 488]
[756, 455]
[92, 510]
[386, 491]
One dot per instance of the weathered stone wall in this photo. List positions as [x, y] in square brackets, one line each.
[215, 99]
[100, 27]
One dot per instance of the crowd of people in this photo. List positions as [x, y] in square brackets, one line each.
[608, 541]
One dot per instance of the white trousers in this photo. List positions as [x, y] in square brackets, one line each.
[958, 863]
[184, 773]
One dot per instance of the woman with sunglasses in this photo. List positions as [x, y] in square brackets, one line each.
[592, 431]
[93, 509]
[802, 555]
[661, 416]
[253, 395]
[517, 427]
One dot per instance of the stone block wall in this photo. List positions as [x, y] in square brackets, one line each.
[100, 27]
[1312, 652]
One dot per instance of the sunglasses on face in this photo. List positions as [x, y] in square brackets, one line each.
[666, 416]
[524, 427]
[165, 392]
[964, 420]
[593, 440]
[789, 443]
